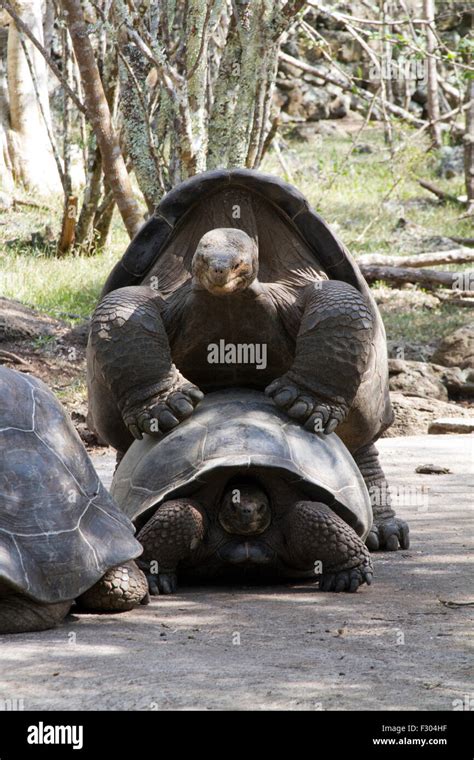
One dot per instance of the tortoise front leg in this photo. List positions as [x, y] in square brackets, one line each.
[129, 358]
[332, 351]
[315, 534]
[172, 535]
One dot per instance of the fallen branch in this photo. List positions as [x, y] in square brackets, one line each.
[455, 298]
[427, 277]
[432, 258]
[462, 241]
[32, 204]
[13, 358]
[439, 193]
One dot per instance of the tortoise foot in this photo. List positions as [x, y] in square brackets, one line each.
[161, 583]
[347, 580]
[389, 535]
[164, 409]
[316, 414]
[167, 583]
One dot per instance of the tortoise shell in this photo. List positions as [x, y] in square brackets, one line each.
[240, 430]
[295, 243]
[60, 531]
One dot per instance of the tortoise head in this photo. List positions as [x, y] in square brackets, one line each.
[225, 261]
[245, 509]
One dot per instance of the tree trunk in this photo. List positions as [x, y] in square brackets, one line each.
[90, 202]
[103, 220]
[432, 73]
[30, 148]
[99, 115]
[197, 22]
[136, 131]
[225, 96]
[469, 147]
[6, 175]
[251, 43]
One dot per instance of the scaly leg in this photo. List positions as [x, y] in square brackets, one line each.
[388, 531]
[332, 350]
[130, 369]
[172, 535]
[122, 588]
[316, 534]
[18, 614]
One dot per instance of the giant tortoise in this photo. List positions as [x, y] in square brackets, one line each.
[240, 491]
[61, 535]
[236, 281]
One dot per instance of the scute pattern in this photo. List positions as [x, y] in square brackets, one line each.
[239, 429]
[59, 529]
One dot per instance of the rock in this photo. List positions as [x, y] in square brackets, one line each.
[451, 161]
[420, 96]
[432, 469]
[415, 379]
[19, 322]
[413, 415]
[294, 105]
[419, 352]
[456, 349]
[340, 106]
[315, 104]
[420, 378]
[363, 149]
[451, 425]
[455, 380]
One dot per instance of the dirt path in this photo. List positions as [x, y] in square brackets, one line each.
[394, 646]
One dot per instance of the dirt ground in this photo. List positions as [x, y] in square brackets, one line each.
[401, 644]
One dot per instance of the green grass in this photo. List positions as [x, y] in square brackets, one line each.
[349, 194]
[62, 287]
[423, 325]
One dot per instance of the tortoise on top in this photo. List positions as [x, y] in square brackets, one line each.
[61, 535]
[235, 281]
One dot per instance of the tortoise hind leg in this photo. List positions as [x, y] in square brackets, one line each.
[388, 531]
[172, 535]
[315, 534]
[19, 614]
[122, 588]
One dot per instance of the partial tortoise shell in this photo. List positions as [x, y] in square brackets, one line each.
[60, 531]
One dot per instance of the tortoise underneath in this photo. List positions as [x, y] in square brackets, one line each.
[238, 491]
